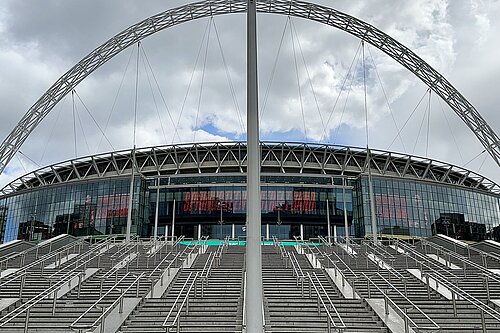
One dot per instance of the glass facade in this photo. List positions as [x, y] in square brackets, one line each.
[87, 208]
[284, 207]
[411, 207]
[215, 205]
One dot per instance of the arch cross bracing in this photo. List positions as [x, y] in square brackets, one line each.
[360, 29]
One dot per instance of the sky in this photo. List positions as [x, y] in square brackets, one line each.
[187, 83]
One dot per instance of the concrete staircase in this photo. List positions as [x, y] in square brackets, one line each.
[219, 310]
[291, 308]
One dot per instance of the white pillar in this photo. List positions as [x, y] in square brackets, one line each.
[254, 298]
[155, 232]
[346, 224]
[267, 231]
[232, 231]
[329, 233]
[173, 222]
[301, 232]
[335, 233]
[130, 197]
[372, 201]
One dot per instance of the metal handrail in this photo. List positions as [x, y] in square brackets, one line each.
[457, 291]
[347, 267]
[181, 305]
[425, 261]
[23, 272]
[388, 301]
[173, 262]
[378, 250]
[175, 243]
[101, 319]
[299, 273]
[37, 248]
[25, 307]
[465, 260]
[88, 256]
[330, 320]
[42, 259]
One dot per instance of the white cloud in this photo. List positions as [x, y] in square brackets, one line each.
[457, 38]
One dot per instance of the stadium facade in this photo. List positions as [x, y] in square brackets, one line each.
[202, 191]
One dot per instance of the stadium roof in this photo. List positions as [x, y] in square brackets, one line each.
[230, 157]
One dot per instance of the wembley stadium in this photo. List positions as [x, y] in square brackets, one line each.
[252, 236]
[305, 188]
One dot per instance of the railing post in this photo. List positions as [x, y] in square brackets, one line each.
[483, 321]
[454, 299]
[487, 287]
[79, 286]
[23, 277]
[120, 310]
[54, 302]
[428, 286]
[27, 320]
[152, 288]
[386, 303]
[407, 327]
[102, 320]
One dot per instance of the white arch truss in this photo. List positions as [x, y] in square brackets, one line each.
[356, 27]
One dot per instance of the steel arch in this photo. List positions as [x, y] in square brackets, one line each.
[68, 81]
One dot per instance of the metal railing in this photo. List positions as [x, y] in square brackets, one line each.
[403, 312]
[40, 260]
[334, 320]
[153, 254]
[52, 290]
[458, 293]
[80, 327]
[80, 264]
[297, 272]
[464, 260]
[424, 261]
[206, 272]
[4, 261]
[186, 253]
[181, 302]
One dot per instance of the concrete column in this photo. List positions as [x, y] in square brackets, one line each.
[301, 232]
[155, 232]
[173, 221]
[329, 227]
[253, 300]
[199, 231]
[130, 197]
[267, 231]
[346, 224]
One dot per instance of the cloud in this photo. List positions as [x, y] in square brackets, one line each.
[42, 40]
